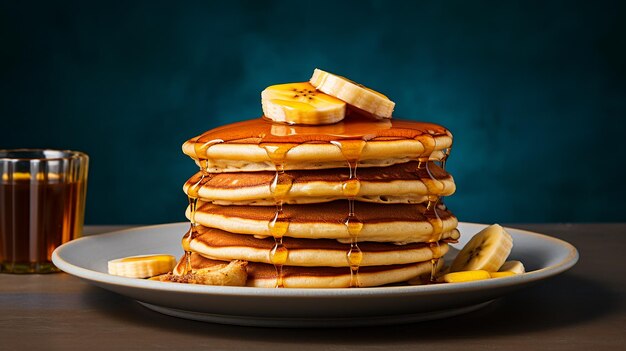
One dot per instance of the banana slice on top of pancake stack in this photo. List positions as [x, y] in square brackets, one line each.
[325, 190]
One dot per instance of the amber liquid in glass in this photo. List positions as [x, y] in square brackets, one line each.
[35, 218]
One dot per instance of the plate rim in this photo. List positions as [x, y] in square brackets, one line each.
[388, 291]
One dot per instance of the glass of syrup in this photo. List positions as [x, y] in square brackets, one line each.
[42, 205]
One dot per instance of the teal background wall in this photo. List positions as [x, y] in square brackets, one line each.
[534, 92]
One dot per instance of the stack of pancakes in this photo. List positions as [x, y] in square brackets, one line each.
[353, 204]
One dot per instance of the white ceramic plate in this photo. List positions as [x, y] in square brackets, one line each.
[87, 258]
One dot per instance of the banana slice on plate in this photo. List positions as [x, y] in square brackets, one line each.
[142, 266]
[301, 103]
[465, 276]
[516, 267]
[487, 250]
[354, 94]
[501, 274]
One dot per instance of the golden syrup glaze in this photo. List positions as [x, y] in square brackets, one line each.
[434, 204]
[351, 137]
[261, 131]
[351, 151]
[192, 195]
[279, 224]
[434, 186]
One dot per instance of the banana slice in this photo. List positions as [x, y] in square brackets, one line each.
[513, 266]
[487, 251]
[301, 103]
[465, 276]
[142, 266]
[501, 274]
[354, 94]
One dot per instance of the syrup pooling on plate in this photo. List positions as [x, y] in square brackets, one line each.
[201, 148]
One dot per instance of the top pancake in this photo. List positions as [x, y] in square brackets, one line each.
[400, 183]
[259, 145]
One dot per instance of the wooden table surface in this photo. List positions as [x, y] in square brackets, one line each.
[582, 309]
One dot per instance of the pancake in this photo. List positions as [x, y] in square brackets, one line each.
[220, 245]
[312, 151]
[404, 223]
[399, 183]
[260, 178]
[251, 145]
[264, 275]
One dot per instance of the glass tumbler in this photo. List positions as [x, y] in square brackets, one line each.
[42, 205]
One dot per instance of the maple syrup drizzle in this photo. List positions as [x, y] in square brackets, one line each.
[279, 225]
[435, 202]
[434, 261]
[351, 151]
[440, 205]
[201, 149]
[446, 154]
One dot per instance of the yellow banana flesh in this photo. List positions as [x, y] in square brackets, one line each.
[487, 250]
[470, 276]
[142, 266]
[465, 276]
[513, 266]
[501, 274]
[301, 103]
[354, 94]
